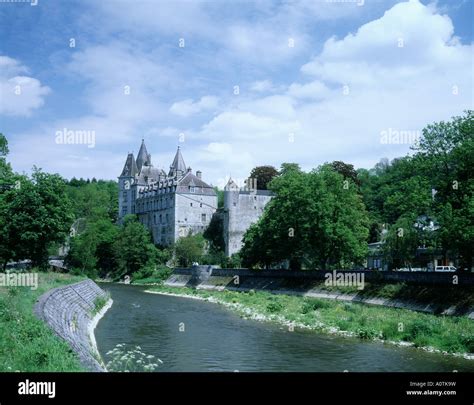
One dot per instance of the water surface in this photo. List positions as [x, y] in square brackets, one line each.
[216, 339]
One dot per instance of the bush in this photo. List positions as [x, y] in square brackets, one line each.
[189, 249]
[144, 272]
[313, 305]
[418, 328]
[367, 333]
[274, 306]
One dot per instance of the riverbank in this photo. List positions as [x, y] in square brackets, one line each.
[438, 294]
[26, 343]
[452, 335]
[72, 312]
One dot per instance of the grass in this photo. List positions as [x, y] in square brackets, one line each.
[157, 276]
[99, 303]
[452, 334]
[26, 343]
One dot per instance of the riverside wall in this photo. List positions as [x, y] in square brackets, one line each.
[70, 312]
[308, 283]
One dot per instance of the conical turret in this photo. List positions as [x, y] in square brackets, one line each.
[178, 167]
[143, 157]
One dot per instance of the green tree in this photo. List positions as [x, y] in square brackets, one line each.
[315, 219]
[263, 175]
[214, 233]
[189, 249]
[36, 214]
[220, 197]
[401, 243]
[446, 156]
[346, 170]
[133, 247]
[92, 251]
[94, 200]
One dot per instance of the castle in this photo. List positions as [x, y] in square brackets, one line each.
[179, 203]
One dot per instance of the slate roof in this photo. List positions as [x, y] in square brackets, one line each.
[143, 157]
[178, 164]
[150, 174]
[231, 185]
[191, 180]
[130, 168]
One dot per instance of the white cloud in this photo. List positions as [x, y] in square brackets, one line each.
[409, 40]
[312, 90]
[19, 94]
[262, 86]
[282, 118]
[388, 87]
[188, 107]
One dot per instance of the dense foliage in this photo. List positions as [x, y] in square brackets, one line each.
[315, 219]
[263, 175]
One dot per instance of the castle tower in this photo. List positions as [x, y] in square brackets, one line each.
[126, 182]
[242, 208]
[178, 167]
[143, 157]
[231, 202]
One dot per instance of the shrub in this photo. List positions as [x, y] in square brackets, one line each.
[274, 306]
[418, 328]
[313, 305]
[367, 333]
[144, 272]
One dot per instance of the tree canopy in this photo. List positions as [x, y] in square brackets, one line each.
[263, 175]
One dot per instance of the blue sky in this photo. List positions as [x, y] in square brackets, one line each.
[318, 80]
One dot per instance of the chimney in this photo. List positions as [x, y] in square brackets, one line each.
[199, 174]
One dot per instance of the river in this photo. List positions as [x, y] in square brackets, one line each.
[192, 335]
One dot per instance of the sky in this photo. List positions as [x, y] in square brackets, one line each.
[236, 84]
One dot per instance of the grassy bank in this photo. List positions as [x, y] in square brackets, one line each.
[26, 343]
[449, 334]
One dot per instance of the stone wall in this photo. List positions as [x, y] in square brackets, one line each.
[425, 278]
[308, 283]
[193, 213]
[241, 209]
[69, 312]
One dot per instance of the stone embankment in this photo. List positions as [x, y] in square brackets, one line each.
[72, 312]
[308, 283]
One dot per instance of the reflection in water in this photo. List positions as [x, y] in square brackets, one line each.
[191, 335]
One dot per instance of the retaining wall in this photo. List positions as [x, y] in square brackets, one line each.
[69, 311]
[421, 277]
[307, 283]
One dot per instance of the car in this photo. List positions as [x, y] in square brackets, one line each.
[445, 268]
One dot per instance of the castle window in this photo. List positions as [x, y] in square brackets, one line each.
[192, 189]
[254, 207]
[190, 204]
[235, 204]
[200, 205]
[203, 217]
[255, 197]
